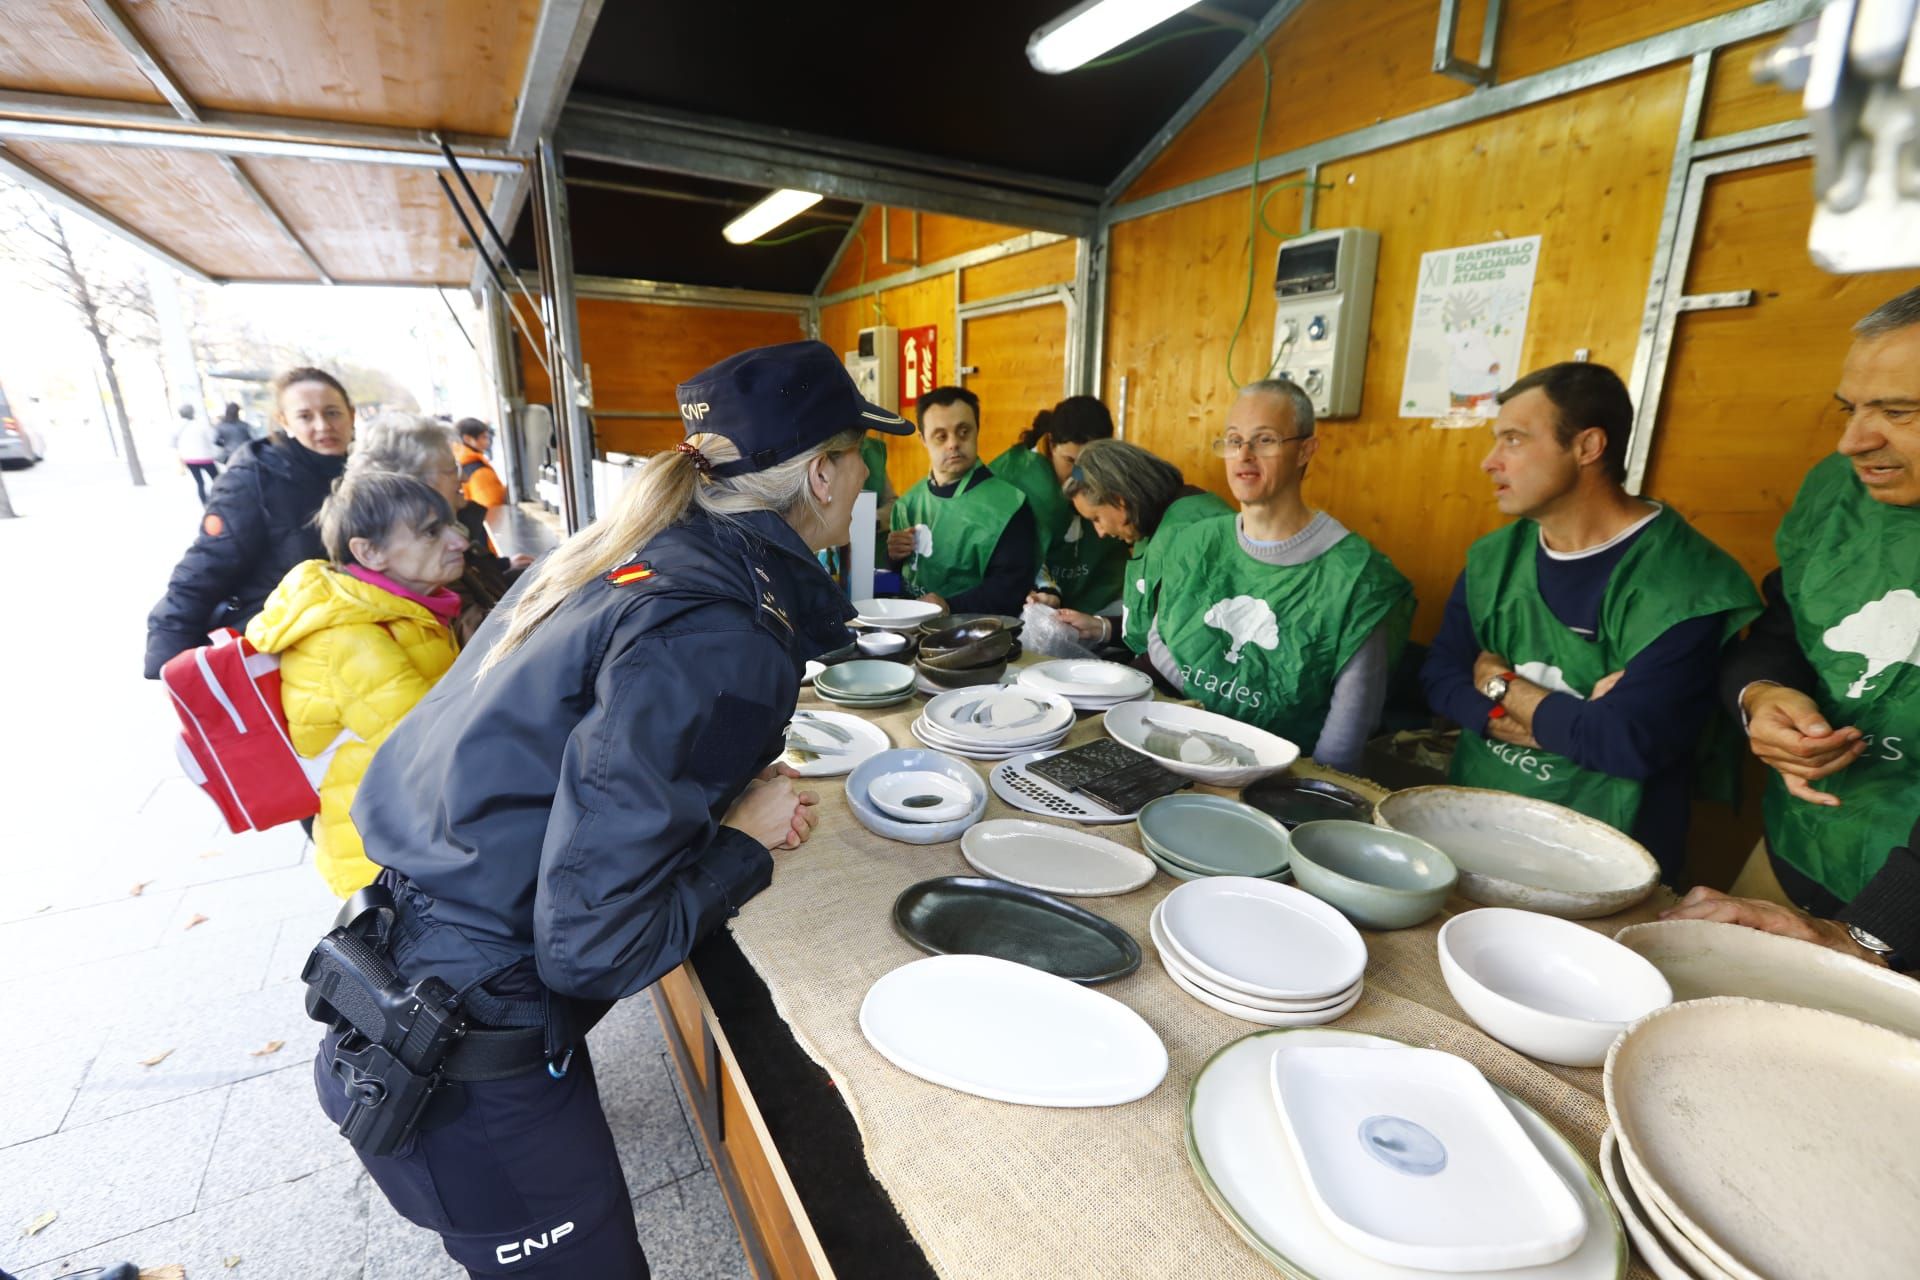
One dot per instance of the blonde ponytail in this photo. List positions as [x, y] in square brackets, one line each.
[669, 484]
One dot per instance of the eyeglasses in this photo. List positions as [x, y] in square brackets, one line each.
[1264, 445]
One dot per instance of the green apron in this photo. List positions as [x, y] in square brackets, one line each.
[1850, 568]
[1084, 567]
[966, 528]
[1264, 643]
[1143, 567]
[873, 452]
[1669, 575]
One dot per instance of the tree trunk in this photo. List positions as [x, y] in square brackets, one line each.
[121, 427]
[6, 503]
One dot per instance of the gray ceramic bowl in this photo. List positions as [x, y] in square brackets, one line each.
[989, 674]
[907, 760]
[1379, 879]
[971, 644]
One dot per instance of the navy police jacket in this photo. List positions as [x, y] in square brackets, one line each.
[559, 818]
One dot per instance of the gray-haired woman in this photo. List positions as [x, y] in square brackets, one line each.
[591, 791]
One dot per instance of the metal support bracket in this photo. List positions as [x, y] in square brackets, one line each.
[1447, 63]
[886, 240]
[1715, 301]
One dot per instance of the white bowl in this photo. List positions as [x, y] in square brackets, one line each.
[920, 795]
[906, 759]
[878, 644]
[1547, 987]
[895, 613]
[1515, 851]
[1127, 725]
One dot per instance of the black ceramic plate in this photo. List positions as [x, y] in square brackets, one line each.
[1297, 800]
[972, 915]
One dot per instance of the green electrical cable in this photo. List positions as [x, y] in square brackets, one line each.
[1113, 58]
[1255, 209]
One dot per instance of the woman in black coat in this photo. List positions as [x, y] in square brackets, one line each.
[259, 517]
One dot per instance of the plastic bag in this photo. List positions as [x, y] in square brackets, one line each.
[1042, 632]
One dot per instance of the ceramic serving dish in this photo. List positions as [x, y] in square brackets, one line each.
[865, 678]
[1189, 978]
[880, 644]
[1199, 744]
[1514, 851]
[919, 795]
[1012, 1033]
[1240, 1156]
[1780, 1140]
[1411, 1159]
[891, 614]
[961, 678]
[913, 759]
[1000, 718]
[1705, 958]
[1262, 938]
[1665, 1261]
[973, 915]
[1379, 879]
[970, 644]
[1293, 801]
[1088, 678]
[1214, 836]
[1548, 987]
[826, 744]
[1053, 859]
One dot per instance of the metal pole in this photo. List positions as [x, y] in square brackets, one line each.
[573, 396]
[507, 394]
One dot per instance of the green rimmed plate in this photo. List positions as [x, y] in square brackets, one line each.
[1214, 836]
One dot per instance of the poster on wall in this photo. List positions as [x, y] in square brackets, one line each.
[1469, 321]
[919, 363]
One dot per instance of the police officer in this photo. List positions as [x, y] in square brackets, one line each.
[589, 791]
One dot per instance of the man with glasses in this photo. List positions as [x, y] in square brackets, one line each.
[1580, 646]
[1281, 617]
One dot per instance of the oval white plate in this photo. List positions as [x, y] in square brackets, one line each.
[1240, 1155]
[1266, 939]
[1652, 1249]
[894, 613]
[939, 742]
[919, 796]
[1088, 678]
[1177, 968]
[1127, 725]
[1054, 859]
[1259, 1017]
[994, 717]
[868, 740]
[1001, 1030]
[1020, 744]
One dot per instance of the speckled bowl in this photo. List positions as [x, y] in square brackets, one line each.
[1379, 879]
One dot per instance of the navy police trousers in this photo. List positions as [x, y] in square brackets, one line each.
[523, 1181]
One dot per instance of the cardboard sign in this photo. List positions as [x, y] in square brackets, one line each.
[919, 362]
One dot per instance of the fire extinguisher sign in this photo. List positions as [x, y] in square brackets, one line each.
[919, 362]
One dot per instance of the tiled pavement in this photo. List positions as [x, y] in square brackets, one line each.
[216, 1151]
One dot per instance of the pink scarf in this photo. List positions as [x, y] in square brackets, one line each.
[443, 603]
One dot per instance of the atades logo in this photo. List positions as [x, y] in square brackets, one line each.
[694, 412]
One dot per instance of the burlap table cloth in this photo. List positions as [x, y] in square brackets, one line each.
[993, 1190]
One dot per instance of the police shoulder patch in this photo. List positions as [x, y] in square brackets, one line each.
[630, 573]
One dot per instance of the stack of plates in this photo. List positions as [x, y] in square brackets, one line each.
[866, 682]
[915, 796]
[906, 616]
[1198, 744]
[1193, 836]
[1759, 1139]
[993, 723]
[1259, 951]
[1088, 683]
[826, 744]
[1285, 1207]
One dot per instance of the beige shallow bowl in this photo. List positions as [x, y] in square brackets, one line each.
[1514, 851]
[1705, 958]
[1784, 1142]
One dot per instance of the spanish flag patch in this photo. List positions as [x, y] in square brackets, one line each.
[628, 574]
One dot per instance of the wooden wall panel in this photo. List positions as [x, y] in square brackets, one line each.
[1021, 356]
[638, 353]
[1749, 393]
[1735, 101]
[1587, 172]
[373, 224]
[1051, 265]
[940, 237]
[183, 199]
[58, 46]
[1339, 66]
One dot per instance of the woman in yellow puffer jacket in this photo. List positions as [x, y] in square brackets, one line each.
[361, 638]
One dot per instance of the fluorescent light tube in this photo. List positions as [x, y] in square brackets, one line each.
[1088, 30]
[768, 214]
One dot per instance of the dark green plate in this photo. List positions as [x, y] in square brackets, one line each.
[1296, 800]
[972, 915]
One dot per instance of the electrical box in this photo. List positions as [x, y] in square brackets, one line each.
[1323, 303]
[875, 365]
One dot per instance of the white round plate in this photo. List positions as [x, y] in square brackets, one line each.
[894, 613]
[1013, 784]
[1192, 742]
[1266, 939]
[1175, 965]
[835, 757]
[1240, 1154]
[1780, 1140]
[1647, 1242]
[995, 717]
[813, 669]
[919, 796]
[1260, 1017]
[1001, 1030]
[1087, 678]
[937, 736]
[1053, 859]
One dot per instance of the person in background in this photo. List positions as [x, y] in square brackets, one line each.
[1281, 617]
[873, 452]
[1827, 683]
[1139, 500]
[479, 482]
[423, 448]
[1580, 648]
[1079, 569]
[966, 537]
[194, 442]
[259, 518]
[362, 636]
[230, 433]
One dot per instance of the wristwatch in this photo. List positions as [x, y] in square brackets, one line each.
[1496, 686]
[1868, 942]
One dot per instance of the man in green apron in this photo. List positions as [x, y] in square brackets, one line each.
[1280, 617]
[1579, 649]
[1079, 568]
[1828, 682]
[962, 537]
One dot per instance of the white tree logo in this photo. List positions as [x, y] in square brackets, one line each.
[1884, 631]
[1246, 620]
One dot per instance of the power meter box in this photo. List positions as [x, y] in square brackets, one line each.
[874, 365]
[1323, 304]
